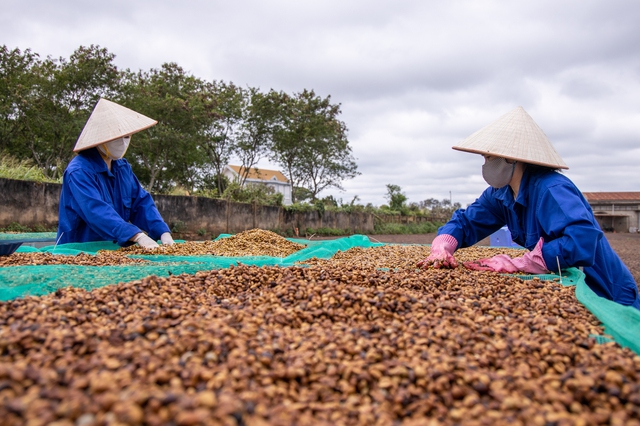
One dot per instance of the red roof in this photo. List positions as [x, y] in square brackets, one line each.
[611, 196]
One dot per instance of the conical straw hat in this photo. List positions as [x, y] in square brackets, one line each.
[514, 136]
[110, 121]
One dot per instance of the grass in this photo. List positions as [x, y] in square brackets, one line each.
[408, 228]
[12, 168]
[15, 227]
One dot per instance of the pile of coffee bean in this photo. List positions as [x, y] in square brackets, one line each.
[315, 345]
[103, 258]
[254, 242]
[404, 256]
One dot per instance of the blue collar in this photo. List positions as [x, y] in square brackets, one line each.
[92, 155]
[505, 195]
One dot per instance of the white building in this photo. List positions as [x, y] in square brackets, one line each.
[615, 211]
[271, 178]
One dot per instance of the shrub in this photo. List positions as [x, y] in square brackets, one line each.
[253, 193]
[409, 228]
[12, 168]
[178, 226]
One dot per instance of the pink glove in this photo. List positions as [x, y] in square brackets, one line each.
[531, 263]
[441, 255]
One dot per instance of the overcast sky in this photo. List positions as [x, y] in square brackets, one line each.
[413, 77]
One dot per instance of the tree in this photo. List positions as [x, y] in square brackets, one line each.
[328, 160]
[395, 196]
[168, 154]
[310, 143]
[437, 207]
[259, 119]
[57, 102]
[301, 194]
[16, 85]
[221, 133]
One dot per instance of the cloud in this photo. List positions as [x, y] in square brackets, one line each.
[413, 77]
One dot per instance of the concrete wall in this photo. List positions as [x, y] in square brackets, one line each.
[618, 216]
[32, 204]
[29, 203]
[623, 222]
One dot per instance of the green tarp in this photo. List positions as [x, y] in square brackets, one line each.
[621, 322]
[17, 281]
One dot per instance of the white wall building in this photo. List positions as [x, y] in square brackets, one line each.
[271, 178]
[616, 211]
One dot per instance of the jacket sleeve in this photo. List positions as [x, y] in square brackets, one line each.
[566, 220]
[477, 221]
[95, 211]
[144, 213]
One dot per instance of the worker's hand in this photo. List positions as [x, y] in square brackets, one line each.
[166, 239]
[441, 256]
[531, 262]
[144, 241]
[500, 263]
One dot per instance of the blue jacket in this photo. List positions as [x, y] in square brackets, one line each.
[549, 206]
[101, 205]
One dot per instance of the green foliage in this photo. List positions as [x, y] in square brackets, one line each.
[408, 228]
[259, 120]
[202, 232]
[433, 207]
[16, 227]
[45, 103]
[209, 186]
[42, 228]
[319, 205]
[299, 208]
[301, 194]
[207, 193]
[396, 198]
[12, 168]
[288, 233]
[329, 201]
[168, 153]
[253, 193]
[178, 226]
[310, 143]
[222, 129]
[338, 206]
[178, 190]
[17, 77]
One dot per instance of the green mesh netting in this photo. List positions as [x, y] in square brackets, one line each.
[26, 236]
[621, 322]
[35, 280]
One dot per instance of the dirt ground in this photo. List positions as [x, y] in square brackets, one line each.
[626, 245]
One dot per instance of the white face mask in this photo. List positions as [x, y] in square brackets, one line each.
[497, 172]
[115, 149]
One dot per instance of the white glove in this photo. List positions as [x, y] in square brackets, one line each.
[144, 241]
[166, 239]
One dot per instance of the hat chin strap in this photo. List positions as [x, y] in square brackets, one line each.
[104, 152]
[120, 147]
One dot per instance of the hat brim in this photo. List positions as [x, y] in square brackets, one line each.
[509, 157]
[110, 121]
[515, 136]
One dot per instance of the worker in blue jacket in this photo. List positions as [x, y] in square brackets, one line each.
[544, 211]
[101, 198]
